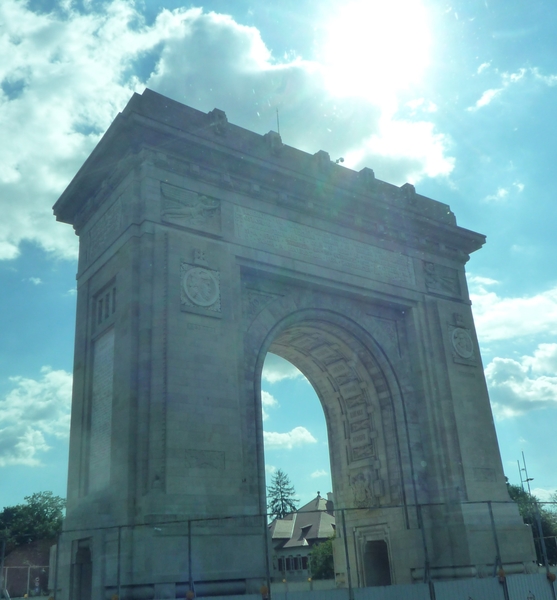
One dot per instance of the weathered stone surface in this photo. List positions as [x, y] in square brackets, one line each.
[189, 274]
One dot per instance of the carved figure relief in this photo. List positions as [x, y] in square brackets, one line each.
[189, 208]
[362, 490]
[462, 344]
[200, 287]
[219, 121]
[440, 279]
[274, 142]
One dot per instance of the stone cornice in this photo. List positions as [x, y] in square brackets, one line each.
[205, 146]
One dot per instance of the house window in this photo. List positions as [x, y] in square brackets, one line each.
[305, 563]
[281, 564]
[289, 563]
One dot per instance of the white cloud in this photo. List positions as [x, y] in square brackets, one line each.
[267, 401]
[35, 280]
[404, 151]
[549, 80]
[270, 469]
[276, 369]
[499, 195]
[319, 473]
[21, 445]
[486, 98]
[502, 193]
[65, 75]
[531, 74]
[518, 386]
[502, 318]
[544, 359]
[483, 67]
[299, 436]
[421, 104]
[543, 494]
[479, 282]
[31, 412]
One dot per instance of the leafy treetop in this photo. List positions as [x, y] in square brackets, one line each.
[321, 560]
[39, 518]
[528, 506]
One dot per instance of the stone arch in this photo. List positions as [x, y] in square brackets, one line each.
[358, 282]
[355, 377]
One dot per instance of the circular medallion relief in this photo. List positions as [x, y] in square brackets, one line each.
[462, 342]
[201, 287]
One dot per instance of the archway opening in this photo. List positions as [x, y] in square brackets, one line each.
[296, 445]
[376, 564]
[294, 429]
[357, 404]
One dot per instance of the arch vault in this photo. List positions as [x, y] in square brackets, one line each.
[202, 247]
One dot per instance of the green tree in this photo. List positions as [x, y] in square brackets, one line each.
[528, 506]
[321, 560]
[41, 517]
[281, 495]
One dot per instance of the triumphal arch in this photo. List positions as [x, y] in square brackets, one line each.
[203, 246]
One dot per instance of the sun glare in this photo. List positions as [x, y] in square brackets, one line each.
[375, 48]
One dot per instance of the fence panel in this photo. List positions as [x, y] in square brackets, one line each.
[242, 597]
[529, 587]
[333, 594]
[23, 580]
[477, 589]
[416, 591]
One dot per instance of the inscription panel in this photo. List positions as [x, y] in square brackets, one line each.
[101, 412]
[485, 475]
[313, 245]
[205, 459]
[104, 231]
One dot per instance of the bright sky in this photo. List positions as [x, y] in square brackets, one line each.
[456, 97]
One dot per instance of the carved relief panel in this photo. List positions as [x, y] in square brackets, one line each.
[462, 345]
[199, 289]
[441, 280]
[189, 209]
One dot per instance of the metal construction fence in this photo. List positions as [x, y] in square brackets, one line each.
[486, 584]
[518, 587]
[27, 579]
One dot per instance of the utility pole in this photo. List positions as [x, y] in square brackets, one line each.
[2, 568]
[536, 513]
